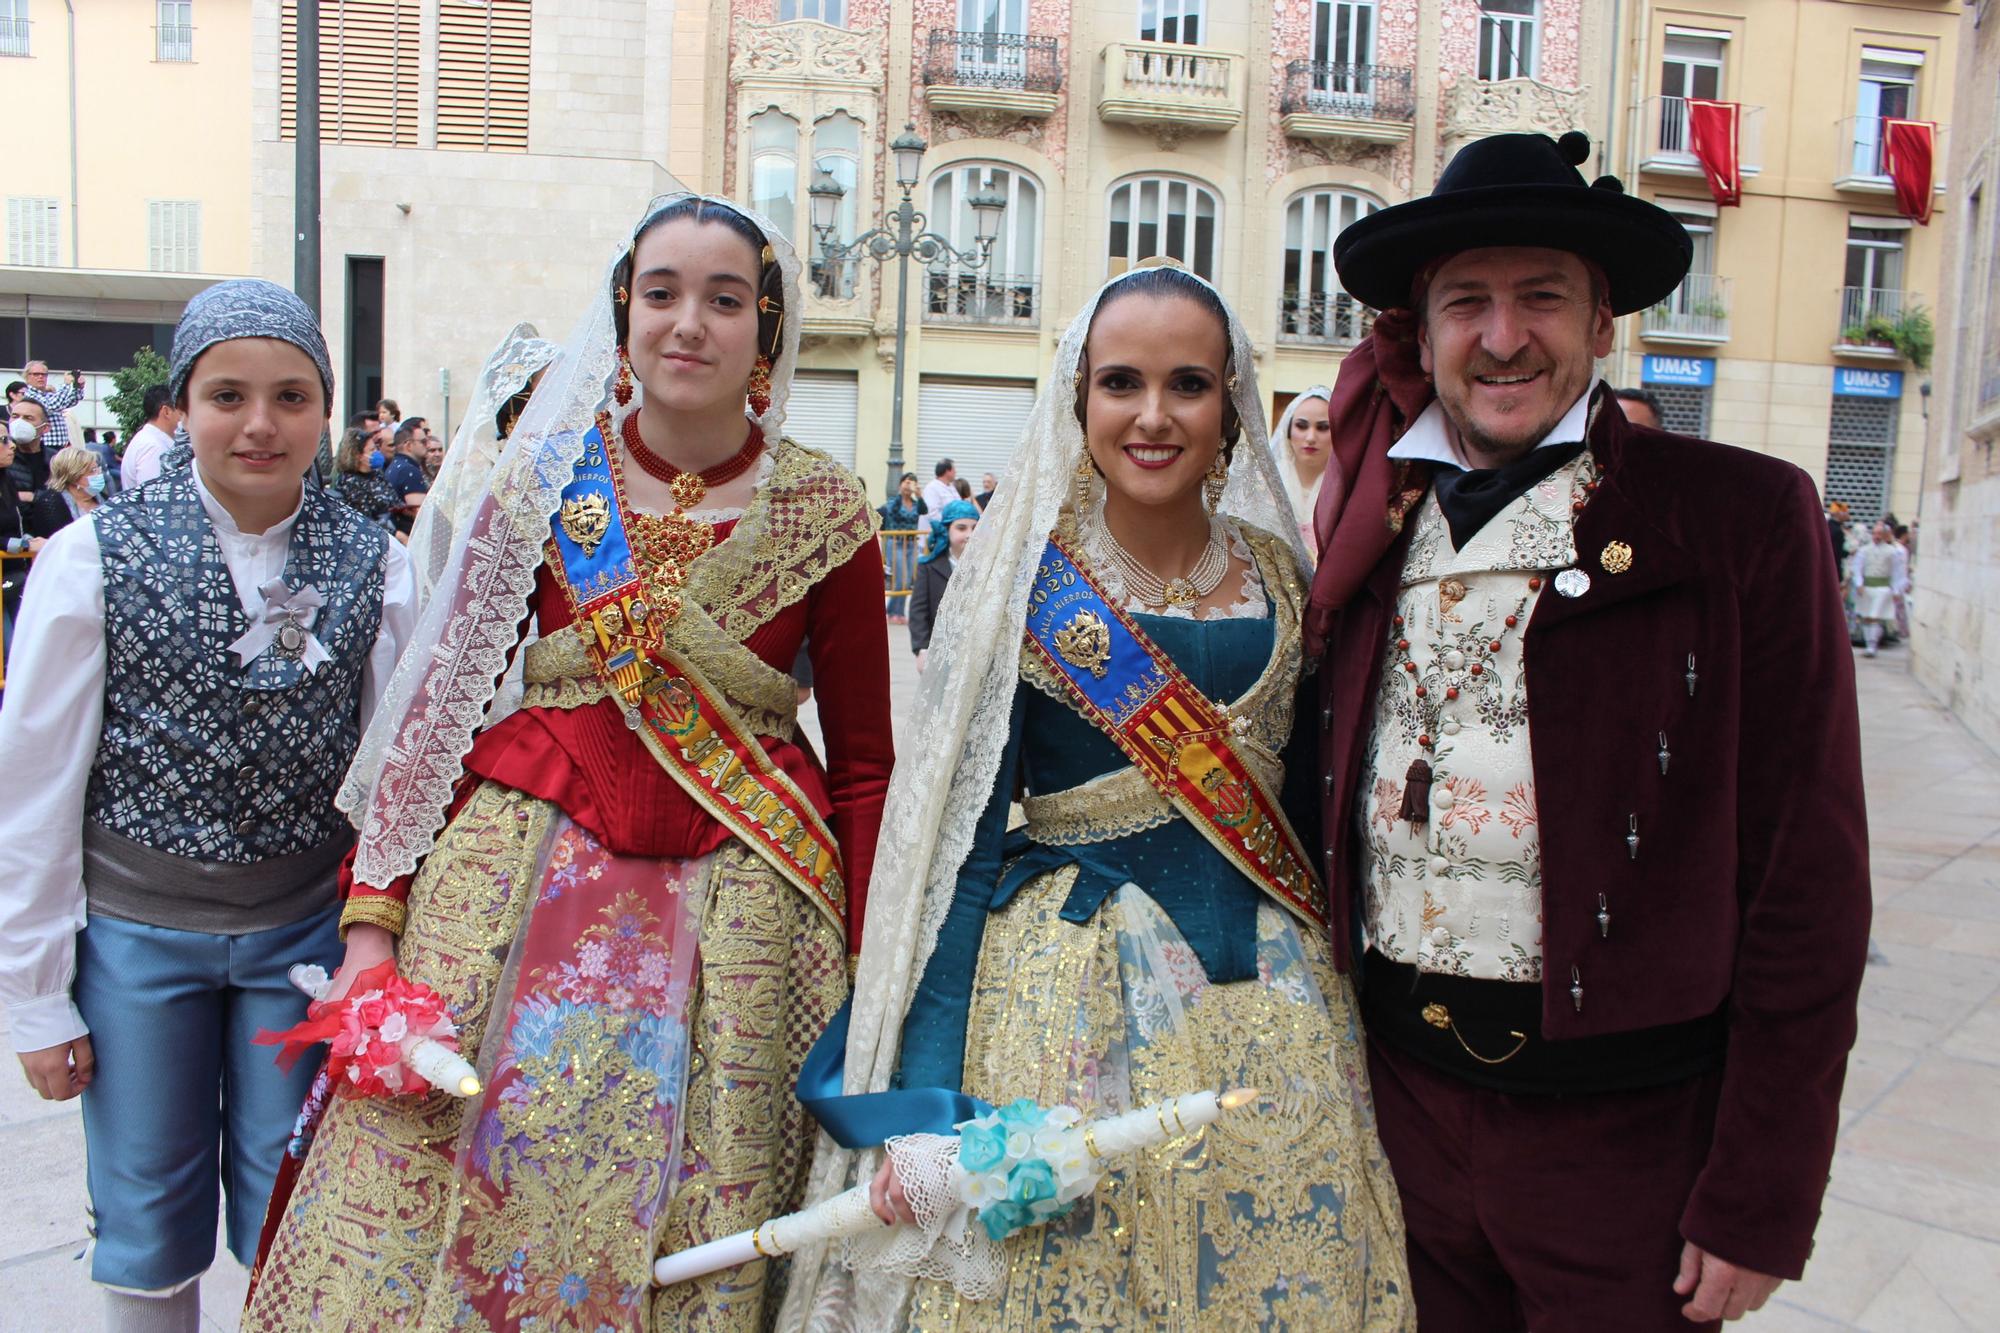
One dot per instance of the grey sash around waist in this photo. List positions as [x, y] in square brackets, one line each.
[133, 882]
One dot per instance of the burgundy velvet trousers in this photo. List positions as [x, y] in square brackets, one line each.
[1547, 1214]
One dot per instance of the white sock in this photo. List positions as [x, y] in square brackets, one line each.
[175, 1312]
[1872, 632]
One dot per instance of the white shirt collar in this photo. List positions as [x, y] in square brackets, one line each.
[1429, 436]
[226, 525]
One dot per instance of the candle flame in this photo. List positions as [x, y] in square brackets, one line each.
[1236, 1097]
[468, 1086]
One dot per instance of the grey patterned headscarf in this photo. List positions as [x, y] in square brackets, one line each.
[246, 308]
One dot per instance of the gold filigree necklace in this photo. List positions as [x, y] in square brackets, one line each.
[1148, 588]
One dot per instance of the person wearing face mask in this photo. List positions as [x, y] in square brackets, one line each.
[194, 667]
[76, 487]
[950, 531]
[16, 540]
[1303, 445]
[27, 427]
[358, 479]
[147, 452]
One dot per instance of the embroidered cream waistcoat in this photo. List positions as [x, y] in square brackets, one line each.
[1461, 892]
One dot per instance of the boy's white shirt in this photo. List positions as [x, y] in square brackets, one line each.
[49, 729]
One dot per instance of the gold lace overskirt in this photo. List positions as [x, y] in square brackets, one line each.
[379, 1199]
[1280, 1218]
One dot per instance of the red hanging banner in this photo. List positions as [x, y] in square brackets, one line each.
[1714, 130]
[1909, 151]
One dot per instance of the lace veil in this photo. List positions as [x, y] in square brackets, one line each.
[475, 448]
[410, 758]
[963, 707]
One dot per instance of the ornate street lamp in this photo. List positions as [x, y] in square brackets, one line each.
[901, 234]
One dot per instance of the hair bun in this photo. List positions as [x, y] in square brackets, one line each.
[1574, 147]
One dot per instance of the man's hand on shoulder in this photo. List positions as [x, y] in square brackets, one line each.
[1718, 1289]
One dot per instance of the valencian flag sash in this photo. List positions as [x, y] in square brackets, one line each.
[1122, 683]
[685, 722]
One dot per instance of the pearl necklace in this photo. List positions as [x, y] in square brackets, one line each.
[1148, 588]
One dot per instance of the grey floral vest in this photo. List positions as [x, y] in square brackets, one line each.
[200, 756]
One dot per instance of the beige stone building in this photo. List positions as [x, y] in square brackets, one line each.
[1238, 137]
[127, 183]
[1956, 608]
[1779, 339]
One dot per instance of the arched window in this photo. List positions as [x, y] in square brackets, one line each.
[1312, 308]
[836, 149]
[1008, 288]
[774, 168]
[1162, 215]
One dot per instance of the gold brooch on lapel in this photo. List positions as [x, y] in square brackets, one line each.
[1616, 558]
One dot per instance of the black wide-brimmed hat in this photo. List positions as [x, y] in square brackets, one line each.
[1518, 189]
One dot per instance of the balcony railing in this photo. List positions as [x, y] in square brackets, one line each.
[1363, 92]
[13, 37]
[952, 297]
[174, 42]
[1352, 92]
[1863, 144]
[1191, 87]
[1872, 320]
[1003, 60]
[1331, 319]
[1668, 143]
[1697, 311]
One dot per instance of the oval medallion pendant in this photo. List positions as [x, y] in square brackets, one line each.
[1572, 583]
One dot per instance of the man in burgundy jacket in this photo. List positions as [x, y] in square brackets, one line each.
[1609, 946]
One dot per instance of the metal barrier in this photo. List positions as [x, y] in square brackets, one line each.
[900, 549]
[4, 557]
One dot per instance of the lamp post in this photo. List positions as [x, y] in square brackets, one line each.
[901, 234]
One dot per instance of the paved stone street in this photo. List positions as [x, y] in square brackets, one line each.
[1910, 1241]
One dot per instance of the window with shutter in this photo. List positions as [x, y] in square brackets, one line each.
[32, 230]
[483, 75]
[367, 71]
[173, 235]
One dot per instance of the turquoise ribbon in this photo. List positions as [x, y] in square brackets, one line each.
[865, 1119]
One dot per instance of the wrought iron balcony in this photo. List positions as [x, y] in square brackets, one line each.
[1696, 312]
[1667, 143]
[1329, 319]
[1863, 165]
[173, 42]
[1172, 88]
[1879, 322]
[993, 75]
[13, 37]
[976, 297]
[1364, 103]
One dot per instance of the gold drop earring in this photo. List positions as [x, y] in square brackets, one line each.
[1215, 480]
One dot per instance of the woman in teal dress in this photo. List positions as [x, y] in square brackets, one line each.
[1119, 654]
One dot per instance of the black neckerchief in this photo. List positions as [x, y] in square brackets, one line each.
[1470, 499]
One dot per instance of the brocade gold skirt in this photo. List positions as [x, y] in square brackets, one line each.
[1283, 1216]
[639, 1094]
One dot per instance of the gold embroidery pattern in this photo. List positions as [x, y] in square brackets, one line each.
[1283, 1218]
[375, 1197]
[807, 519]
[773, 971]
[1085, 643]
[387, 913]
[1111, 806]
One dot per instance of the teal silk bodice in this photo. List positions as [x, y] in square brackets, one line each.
[1052, 749]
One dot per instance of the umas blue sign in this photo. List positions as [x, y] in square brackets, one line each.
[1696, 371]
[1849, 382]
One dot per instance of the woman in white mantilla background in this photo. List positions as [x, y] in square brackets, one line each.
[1302, 446]
[1120, 651]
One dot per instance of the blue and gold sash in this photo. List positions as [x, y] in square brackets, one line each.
[1122, 684]
[686, 722]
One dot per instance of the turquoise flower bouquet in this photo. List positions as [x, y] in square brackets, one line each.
[1022, 1165]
